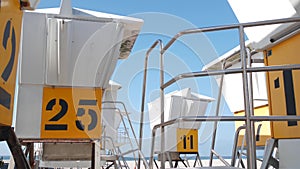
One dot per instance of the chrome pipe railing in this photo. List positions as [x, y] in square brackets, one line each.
[127, 115]
[224, 66]
[251, 160]
[226, 27]
[244, 70]
[235, 145]
[220, 158]
[162, 110]
[211, 119]
[144, 93]
[124, 125]
[107, 138]
[131, 127]
[229, 71]
[214, 135]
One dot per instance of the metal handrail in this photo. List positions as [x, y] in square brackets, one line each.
[251, 162]
[234, 149]
[220, 158]
[123, 122]
[214, 135]
[127, 115]
[144, 92]
[213, 118]
[224, 66]
[134, 135]
[230, 71]
[226, 27]
[107, 138]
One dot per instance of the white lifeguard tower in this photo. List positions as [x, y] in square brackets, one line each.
[67, 57]
[182, 137]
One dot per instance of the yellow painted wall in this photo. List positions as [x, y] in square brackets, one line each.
[10, 30]
[284, 87]
[264, 132]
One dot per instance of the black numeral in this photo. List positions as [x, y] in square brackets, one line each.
[81, 112]
[187, 139]
[63, 111]
[5, 97]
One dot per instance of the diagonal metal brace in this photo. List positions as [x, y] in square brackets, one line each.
[7, 134]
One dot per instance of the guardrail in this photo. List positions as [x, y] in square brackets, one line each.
[249, 118]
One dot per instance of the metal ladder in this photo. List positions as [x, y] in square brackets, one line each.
[134, 148]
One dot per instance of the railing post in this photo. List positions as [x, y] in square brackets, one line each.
[162, 107]
[144, 94]
[213, 142]
[251, 152]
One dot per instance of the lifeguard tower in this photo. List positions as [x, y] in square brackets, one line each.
[181, 138]
[67, 57]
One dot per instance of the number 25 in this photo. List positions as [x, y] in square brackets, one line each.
[64, 110]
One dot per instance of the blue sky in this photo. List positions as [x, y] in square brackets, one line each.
[163, 19]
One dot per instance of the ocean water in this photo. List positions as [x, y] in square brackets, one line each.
[4, 157]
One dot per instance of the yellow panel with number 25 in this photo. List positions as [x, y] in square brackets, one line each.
[71, 113]
[10, 28]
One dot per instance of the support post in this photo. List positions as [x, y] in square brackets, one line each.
[93, 156]
[7, 134]
[162, 107]
[144, 95]
[214, 135]
[251, 152]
